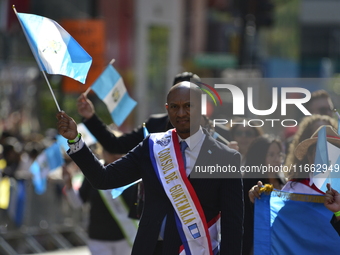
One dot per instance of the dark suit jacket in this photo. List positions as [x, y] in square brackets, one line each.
[156, 123]
[215, 195]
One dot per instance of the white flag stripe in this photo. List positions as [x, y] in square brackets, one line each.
[51, 45]
[87, 136]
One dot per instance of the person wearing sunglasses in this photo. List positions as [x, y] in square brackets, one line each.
[320, 103]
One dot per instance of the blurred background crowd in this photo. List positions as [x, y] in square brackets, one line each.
[263, 43]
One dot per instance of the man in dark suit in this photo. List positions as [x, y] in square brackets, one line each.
[154, 124]
[214, 197]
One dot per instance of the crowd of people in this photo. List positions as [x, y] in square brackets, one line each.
[177, 213]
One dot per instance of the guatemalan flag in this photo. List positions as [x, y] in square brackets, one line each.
[53, 48]
[291, 223]
[50, 159]
[110, 88]
[327, 163]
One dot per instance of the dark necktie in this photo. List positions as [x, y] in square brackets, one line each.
[183, 146]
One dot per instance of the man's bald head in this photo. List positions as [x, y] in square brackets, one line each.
[195, 91]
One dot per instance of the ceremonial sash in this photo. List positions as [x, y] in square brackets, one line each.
[168, 164]
[119, 212]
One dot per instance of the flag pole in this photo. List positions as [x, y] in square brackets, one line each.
[48, 83]
[337, 114]
[36, 59]
[89, 88]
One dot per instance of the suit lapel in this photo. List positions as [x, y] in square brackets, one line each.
[207, 150]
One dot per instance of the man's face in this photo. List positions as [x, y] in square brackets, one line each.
[322, 106]
[184, 111]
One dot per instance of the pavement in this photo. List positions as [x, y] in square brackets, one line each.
[82, 250]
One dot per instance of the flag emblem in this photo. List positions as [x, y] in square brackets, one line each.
[116, 95]
[110, 88]
[164, 141]
[52, 46]
[194, 231]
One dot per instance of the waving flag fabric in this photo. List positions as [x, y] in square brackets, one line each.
[327, 163]
[87, 136]
[291, 223]
[54, 49]
[110, 88]
[49, 160]
[118, 191]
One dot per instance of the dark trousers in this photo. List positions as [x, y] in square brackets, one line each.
[159, 248]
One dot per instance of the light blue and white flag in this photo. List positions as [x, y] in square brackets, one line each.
[55, 50]
[326, 163]
[291, 223]
[87, 136]
[50, 159]
[110, 88]
[118, 191]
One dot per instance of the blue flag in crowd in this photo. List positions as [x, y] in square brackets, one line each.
[16, 208]
[321, 153]
[327, 163]
[53, 48]
[110, 88]
[49, 160]
[284, 223]
[118, 191]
